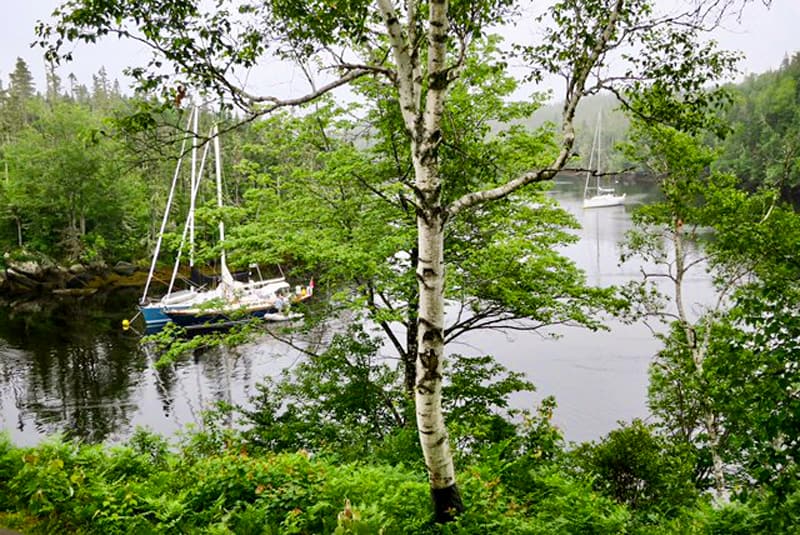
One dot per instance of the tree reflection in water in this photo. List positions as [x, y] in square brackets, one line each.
[68, 365]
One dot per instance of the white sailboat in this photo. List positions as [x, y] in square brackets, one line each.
[594, 194]
[230, 300]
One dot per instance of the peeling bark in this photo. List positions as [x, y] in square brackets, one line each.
[410, 355]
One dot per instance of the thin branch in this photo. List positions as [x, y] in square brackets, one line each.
[387, 329]
[275, 103]
[385, 71]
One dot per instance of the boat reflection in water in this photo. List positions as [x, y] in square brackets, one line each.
[67, 367]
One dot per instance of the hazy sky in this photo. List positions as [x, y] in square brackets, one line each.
[764, 36]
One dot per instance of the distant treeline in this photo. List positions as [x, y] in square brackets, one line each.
[75, 186]
[74, 189]
[761, 146]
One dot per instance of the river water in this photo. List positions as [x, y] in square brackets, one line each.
[66, 366]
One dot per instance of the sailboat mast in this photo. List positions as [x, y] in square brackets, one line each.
[165, 218]
[599, 134]
[189, 217]
[602, 196]
[194, 180]
[218, 168]
[591, 159]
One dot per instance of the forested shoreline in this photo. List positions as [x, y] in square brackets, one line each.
[77, 191]
[376, 199]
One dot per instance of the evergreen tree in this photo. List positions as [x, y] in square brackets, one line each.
[20, 90]
[73, 83]
[100, 89]
[22, 86]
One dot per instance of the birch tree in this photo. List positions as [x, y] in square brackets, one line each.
[723, 382]
[418, 48]
[667, 236]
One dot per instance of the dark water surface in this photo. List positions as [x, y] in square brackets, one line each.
[66, 365]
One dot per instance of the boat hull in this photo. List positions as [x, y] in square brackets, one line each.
[214, 310]
[213, 318]
[604, 200]
[154, 317]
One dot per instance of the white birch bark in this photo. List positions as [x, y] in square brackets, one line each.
[698, 351]
[424, 127]
[430, 355]
[430, 267]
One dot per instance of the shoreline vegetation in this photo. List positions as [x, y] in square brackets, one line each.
[217, 481]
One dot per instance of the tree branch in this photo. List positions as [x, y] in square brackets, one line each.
[576, 84]
[401, 50]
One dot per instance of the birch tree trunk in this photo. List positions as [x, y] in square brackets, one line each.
[430, 355]
[19, 230]
[698, 350]
[424, 127]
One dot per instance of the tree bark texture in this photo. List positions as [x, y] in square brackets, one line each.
[424, 127]
[430, 355]
[410, 355]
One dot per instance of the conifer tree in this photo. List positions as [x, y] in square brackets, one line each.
[20, 90]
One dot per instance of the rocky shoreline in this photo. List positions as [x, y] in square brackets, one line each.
[42, 276]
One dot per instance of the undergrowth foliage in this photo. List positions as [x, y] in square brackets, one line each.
[212, 483]
[144, 487]
[329, 448]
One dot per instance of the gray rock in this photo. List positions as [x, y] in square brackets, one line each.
[98, 265]
[77, 269]
[28, 268]
[124, 268]
[75, 291]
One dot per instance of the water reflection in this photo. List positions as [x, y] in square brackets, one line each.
[66, 366]
[598, 378]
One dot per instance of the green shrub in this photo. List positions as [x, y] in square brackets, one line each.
[10, 464]
[640, 469]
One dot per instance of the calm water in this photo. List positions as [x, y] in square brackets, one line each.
[66, 366]
[598, 378]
